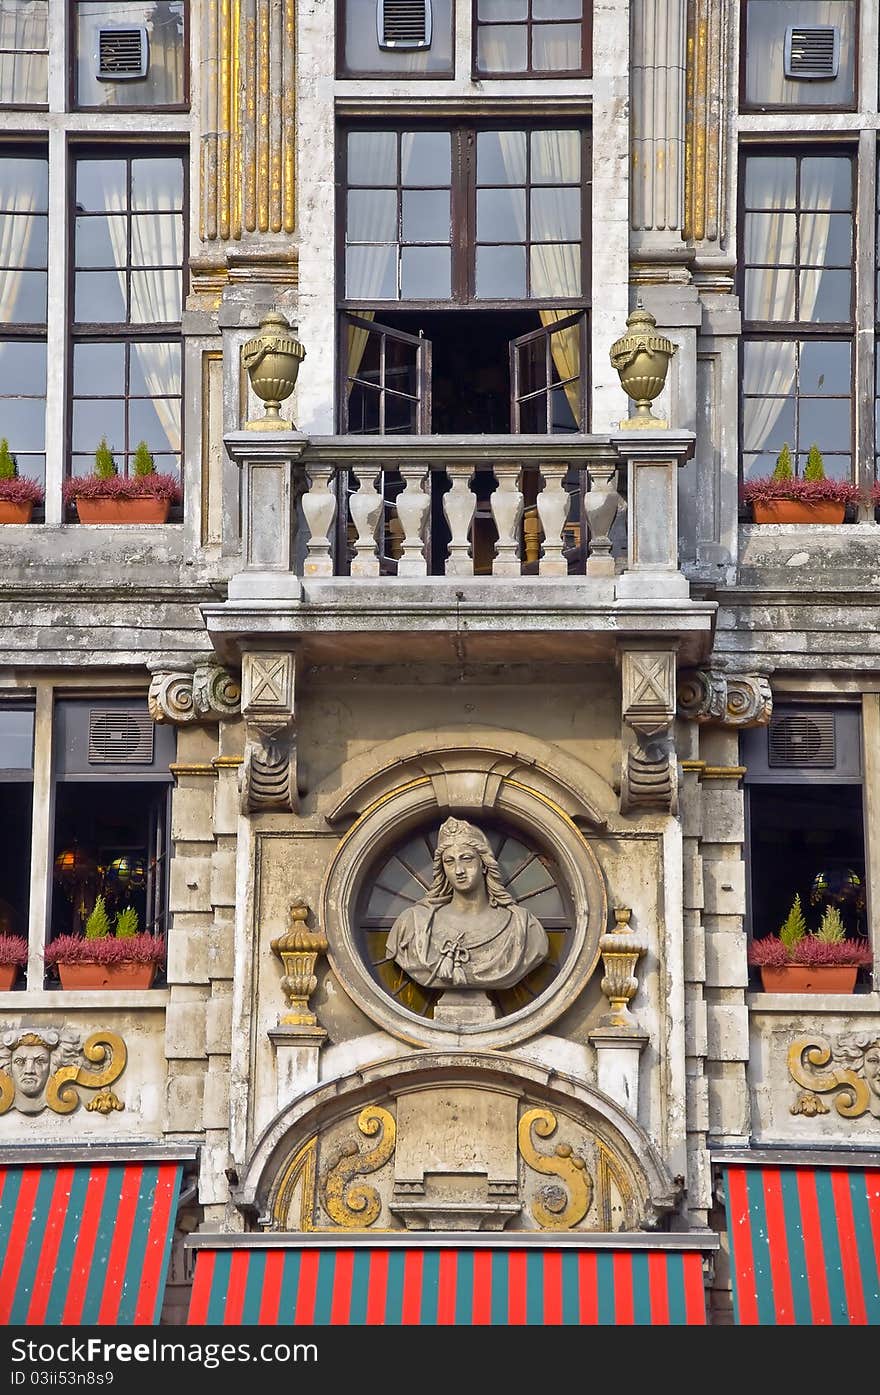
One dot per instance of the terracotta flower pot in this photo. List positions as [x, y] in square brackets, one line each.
[16, 511]
[797, 511]
[802, 978]
[127, 974]
[145, 510]
[8, 975]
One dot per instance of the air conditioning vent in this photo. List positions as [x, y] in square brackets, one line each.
[812, 52]
[120, 737]
[803, 740]
[121, 53]
[403, 23]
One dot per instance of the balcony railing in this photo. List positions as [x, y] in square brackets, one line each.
[413, 507]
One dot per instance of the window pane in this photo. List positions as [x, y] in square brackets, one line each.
[24, 423]
[556, 48]
[557, 9]
[768, 422]
[556, 157]
[826, 367]
[157, 240]
[24, 78]
[93, 419]
[23, 45]
[501, 215]
[556, 215]
[563, 405]
[157, 185]
[101, 241]
[827, 423]
[837, 467]
[555, 270]
[401, 372]
[163, 83]
[101, 186]
[500, 10]
[24, 185]
[372, 216]
[770, 238]
[99, 298]
[501, 157]
[826, 239]
[372, 157]
[825, 296]
[502, 48]
[770, 182]
[769, 366]
[156, 297]
[362, 54]
[826, 182]
[769, 294]
[22, 370]
[766, 25]
[157, 422]
[501, 273]
[425, 273]
[154, 368]
[98, 369]
[16, 740]
[425, 158]
[371, 273]
[426, 216]
[23, 297]
[400, 414]
[24, 240]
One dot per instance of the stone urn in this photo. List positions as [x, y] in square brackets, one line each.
[272, 361]
[641, 358]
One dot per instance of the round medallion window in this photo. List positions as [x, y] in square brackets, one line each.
[420, 944]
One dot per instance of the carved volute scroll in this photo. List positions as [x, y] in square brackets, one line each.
[727, 699]
[561, 1206]
[268, 772]
[203, 692]
[847, 1068]
[357, 1207]
[40, 1068]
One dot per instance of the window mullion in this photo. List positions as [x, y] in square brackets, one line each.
[866, 311]
[57, 336]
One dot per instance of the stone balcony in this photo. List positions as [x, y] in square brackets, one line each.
[462, 544]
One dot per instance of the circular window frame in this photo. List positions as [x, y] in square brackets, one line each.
[400, 813]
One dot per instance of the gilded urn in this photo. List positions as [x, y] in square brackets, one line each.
[641, 358]
[272, 361]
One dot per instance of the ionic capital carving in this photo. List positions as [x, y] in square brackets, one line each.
[726, 699]
[268, 772]
[205, 692]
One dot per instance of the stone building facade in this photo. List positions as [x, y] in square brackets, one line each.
[451, 592]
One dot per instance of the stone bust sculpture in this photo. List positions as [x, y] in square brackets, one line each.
[467, 932]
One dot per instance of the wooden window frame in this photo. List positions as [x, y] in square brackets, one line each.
[796, 108]
[383, 74]
[540, 74]
[74, 103]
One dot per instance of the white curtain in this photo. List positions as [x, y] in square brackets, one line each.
[24, 62]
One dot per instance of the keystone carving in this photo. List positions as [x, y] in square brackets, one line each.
[649, 769]
[268, 771]
[726, 699]
[41, 1066]
[847, 1067]
[205, 693]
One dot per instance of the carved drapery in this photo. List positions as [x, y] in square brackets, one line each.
[725, 699]
[268, 772]
[206, 692]
[648, 778]
[248, 118]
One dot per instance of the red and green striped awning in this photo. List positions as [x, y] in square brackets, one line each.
[86, 1242]
[367, 1281]
[804, 1238]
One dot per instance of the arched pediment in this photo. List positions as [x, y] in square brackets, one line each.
[455, 1141]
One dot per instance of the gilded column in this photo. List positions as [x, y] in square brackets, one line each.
[710, 71]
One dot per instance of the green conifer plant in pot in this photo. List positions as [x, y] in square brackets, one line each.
[797, 960]
[18, 493]
[105, 496]
[101, 958]
[785, 497]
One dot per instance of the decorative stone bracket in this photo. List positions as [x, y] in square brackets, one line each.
[268, 772]
[201, 692]
[648, 778]
[726, 699]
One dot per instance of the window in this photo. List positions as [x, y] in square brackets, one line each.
[396, 38]
[805, 825]
[544, 38]
[24, 57]
[16, 809]
[128, 249]
[797, 299]
[24, 242]
[799, 53]
[131, 55]
[877, 334]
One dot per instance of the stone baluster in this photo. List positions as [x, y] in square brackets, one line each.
[413, 504]
[553, 503]
[459, 504]
[601, 505]
[365, 507]
[319, 509]
[507, 510]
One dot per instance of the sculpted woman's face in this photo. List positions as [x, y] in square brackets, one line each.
[463, 866]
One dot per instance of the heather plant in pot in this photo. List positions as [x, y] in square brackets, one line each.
[103, 958]
[785, 497]
[18, 493]
[797, 960]
[13, 958]
[105, 496]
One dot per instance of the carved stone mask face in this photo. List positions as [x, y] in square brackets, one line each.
[30, 1069]
[463, 866]
[872, 1068]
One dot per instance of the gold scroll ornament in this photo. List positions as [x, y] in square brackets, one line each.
[564, 1164]
[360, 1206]
[809, 1054]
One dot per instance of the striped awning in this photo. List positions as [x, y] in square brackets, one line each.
[804, 1239]
[86, 1242]
[365, 1281]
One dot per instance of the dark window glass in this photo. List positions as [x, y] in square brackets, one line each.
[539, 37]
[767, 83]
[162, 44]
